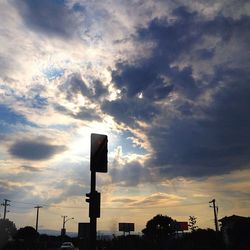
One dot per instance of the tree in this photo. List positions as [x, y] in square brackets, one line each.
[7, 230]
[29, 235]
[160, 228]
[192, 223]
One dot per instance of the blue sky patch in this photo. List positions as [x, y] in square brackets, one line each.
[39, 102]
[53, 72]
[8, 117]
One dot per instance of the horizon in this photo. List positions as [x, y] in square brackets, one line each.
[167, 82]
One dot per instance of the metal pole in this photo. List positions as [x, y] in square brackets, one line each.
[92, 218]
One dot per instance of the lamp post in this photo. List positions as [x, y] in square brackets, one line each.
[63, 232]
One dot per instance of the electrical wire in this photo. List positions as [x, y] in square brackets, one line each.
[111, 208]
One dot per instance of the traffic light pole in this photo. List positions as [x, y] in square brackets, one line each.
[98, 163]
[92, 217]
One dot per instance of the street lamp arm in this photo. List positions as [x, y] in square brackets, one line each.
[69, 219]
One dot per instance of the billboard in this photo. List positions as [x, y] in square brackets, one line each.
[182, 226]
[126, 227]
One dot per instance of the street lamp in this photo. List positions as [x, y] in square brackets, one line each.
[63, 232]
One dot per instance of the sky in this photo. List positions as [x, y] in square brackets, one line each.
[167, 81]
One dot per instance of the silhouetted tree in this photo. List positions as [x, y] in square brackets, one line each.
[7, 230]
[192, 223]
[160, 229]
[29, 235]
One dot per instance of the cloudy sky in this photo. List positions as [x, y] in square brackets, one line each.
[167, 81]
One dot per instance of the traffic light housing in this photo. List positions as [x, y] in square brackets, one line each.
[98, 153]
[89, 197]
[94, 200]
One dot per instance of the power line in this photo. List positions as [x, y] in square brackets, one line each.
[127, 207]
[48, 205]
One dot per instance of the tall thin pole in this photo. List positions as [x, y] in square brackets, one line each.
[93, 218]
[64, 218]
[37, 215]
[63, 232]
[215, 215]
[5, 204]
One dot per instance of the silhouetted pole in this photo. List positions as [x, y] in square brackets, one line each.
[5, 204]
[215, 215]
[64, 218]
[64, 222]
[98, 163]
[37, 215]
[93, 218]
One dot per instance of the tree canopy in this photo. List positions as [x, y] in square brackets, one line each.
[27, 233]
[160, 227]
[7, 230]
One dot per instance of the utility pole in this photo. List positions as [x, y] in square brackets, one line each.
[215, 215]
[37, 215]
[5, 204]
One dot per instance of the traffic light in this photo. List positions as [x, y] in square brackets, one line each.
[94, 200]
[98, 153]
[89, 197]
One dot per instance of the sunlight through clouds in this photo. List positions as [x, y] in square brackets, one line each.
[166, 81]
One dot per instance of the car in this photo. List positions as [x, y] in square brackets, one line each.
[67, 245]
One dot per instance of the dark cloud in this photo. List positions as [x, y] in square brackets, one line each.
[215, 144]
[34, 150]
[134, 80]
[49, 17]
[130, 110]
[194, 139]
[130, 175]
[98, 90]
[75, 85]
[155, 77]
[86, 114]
